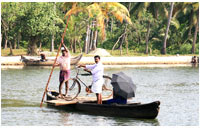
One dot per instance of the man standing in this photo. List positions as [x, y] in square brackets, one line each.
[64, 63]
[97, 71]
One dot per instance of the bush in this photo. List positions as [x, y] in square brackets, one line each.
[24, 44]
[185, 49]
[197, 49]
[156, 51]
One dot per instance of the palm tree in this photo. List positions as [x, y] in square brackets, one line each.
[194, 18]
[100, 12]
[191, 9]
[167, 29]
[155, 8]
[195, 35]
[53, 34]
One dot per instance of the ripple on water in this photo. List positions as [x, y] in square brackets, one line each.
[176, 88]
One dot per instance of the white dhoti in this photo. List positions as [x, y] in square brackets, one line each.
[97, 86]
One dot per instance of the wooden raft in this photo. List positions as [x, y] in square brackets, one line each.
[61, 102]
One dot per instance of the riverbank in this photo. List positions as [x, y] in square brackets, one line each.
[149, 60]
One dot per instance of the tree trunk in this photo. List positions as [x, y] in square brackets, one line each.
[195, 36]
[18, 40]
[87, 39]
[166, 33]
[126, 44]
[71, 45]
[147, 38]
[123, 38]
[95, 40]
[80, 46]
[15, 43]
[53, 34]
[74, 45]
[121, 50]
[1, 39]
[117, 42]
[32, 47]
[6, 44]
[52, 43]
[91, 37]
[75, 39]
[40, 47]
[120, 47]
[10, 45]
[111, 27]
[190, 23]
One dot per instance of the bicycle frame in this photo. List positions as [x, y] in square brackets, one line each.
[77, 74]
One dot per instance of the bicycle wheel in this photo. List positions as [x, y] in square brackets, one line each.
[107, 89]
[74, 88]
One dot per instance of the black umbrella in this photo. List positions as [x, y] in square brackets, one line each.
[123, 85]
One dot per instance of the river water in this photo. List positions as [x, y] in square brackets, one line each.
[177, 88]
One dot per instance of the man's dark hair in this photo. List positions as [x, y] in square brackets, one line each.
[97, 56]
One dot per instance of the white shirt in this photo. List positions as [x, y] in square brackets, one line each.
[96, 70]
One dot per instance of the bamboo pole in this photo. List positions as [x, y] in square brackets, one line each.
[62, 42]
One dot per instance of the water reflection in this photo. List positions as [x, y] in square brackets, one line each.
[17, 103]
[139, 122]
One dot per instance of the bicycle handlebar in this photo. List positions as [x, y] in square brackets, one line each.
[84, 74]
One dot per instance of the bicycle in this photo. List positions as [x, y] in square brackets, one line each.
[74, 86]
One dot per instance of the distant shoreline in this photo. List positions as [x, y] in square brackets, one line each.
[149, 61]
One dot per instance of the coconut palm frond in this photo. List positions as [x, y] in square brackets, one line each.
[69, 5]
[137, 8]
[120, 7]
[100, 22]
[175, 23]
[105, 13]
[195, 6]
[128, 20]
[119, 12]
[74, 11]
[94, 10]
[58, 20]
[118, 16]
[194, 19]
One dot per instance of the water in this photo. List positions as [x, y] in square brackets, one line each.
[176, 88]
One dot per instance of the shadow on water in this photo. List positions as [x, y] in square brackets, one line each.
[127, 121]
[17, 103]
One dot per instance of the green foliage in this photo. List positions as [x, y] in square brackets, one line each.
[27, 20]
[197, 49]
[185, 48]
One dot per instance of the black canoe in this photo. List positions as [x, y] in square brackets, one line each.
[131, 110]
[36, 62]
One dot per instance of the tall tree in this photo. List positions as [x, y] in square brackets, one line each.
[195, 35]
[191, 11]
[154, 8]
[9, 16]
[53, 33]
[101, 11]
[167, 29]
[38, 24]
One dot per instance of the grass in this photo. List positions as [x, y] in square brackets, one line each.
[18, 52]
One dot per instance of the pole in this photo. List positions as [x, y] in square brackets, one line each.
[62, 41]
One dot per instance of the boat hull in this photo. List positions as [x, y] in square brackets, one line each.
[146, 111]
[134, 110]
[49, 62]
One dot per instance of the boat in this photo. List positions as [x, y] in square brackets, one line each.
[48, 62]
[130, 110]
